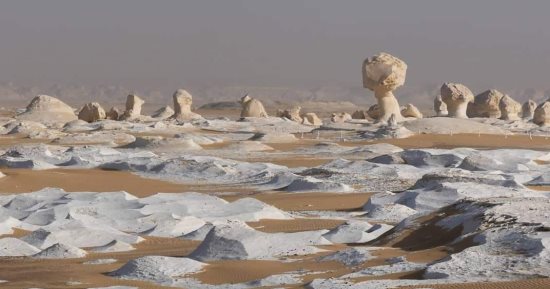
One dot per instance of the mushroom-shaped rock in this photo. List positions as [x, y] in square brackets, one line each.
[383, 73]
[486, 104]
[182, 105]
[340, 117]
[133, 107]
[252, 107]
[509, 108]
[312, 119]
[374, 111]
[528, 109]
[292, 114]
[411, 111]
[456, 96]
[440, 107]
[542, 114]
[114, 114]
[91, 112]
[47, 109]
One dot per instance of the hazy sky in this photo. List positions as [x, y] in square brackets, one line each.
[497, 43]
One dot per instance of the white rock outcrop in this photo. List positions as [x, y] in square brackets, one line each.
[340, 117]
[91, 112]
[456, 96]
[114, 114]
[509, 108]
[182, 105]
[411, 111]
[252, 107]
[440, 107]
[486, 104]
[292, 113]
[528, 109]
[133, 107]
[163, 113]
[383, 73]
[542, 114]
[47, 109]
[312, 119]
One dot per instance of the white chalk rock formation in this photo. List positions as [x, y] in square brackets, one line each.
[528, 109]
[383, 73]
[292, 114]
[91, 112]
[456, 96]
[440, 107]
[61, 251]
[133, 107]
[158, 269]
[411, 111]
[312, 119]
[340, 117]
[13, 247]
[542, 114]
[486, 104]
[374, 111]
[114, 114]
[163, 113]
[47, 109]
[182, 105]
[356, 232]
[252, 107]
[509, 108]
[236, 240]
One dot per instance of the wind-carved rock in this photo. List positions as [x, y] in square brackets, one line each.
[542, 114]
[340, 117]
[114, 114]
[528, 109]
[252, 107]
[133, 107]
[163, 113]
[292, 114]
[47, 109]
[182, 106]
[411, 111]
[440, 107]
[509, 108]
[486, 104]
[382, 74]
[312, 119]
[456, 96]
[91, 112]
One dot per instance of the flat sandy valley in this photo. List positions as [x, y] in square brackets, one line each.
[270, 203]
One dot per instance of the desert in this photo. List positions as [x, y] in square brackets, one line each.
[241, 144]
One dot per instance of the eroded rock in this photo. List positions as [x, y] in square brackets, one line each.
[456, 96]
